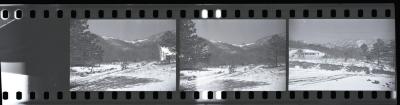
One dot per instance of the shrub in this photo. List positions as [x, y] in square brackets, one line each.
[330, 67]
[306, 65]
[292, 64]
[379, 71]
[375, 82]
[357, 69]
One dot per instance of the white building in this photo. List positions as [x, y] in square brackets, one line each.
[166, 55]
[306, 54]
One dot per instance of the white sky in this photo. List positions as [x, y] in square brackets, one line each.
[325, 30]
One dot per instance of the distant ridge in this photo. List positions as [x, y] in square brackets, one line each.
[132, 50]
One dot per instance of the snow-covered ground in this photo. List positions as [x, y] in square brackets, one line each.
[316, 79]
[316, 73]
[245, 78]
[140, 76]
[335, 61]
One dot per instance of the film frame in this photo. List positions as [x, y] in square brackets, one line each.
[247, 11]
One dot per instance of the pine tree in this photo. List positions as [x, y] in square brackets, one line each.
[346, 55]
[300, 53]
[377, 50]
[76, 29]
[193, 48]
[277, 47]
[390, 53]
[364, 51]
[84, 50]
[168, 40]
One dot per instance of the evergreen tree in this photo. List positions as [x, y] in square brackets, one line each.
[364, 51]
[83, 48]
[390, 53]
[378, 50]
[300, 53]
[278, 48]
[168, 40]
[193, 48]
[346, 55]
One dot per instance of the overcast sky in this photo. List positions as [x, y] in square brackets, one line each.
[325, 30]
[130, 29]
[239, 31]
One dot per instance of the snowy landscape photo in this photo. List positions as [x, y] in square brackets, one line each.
[342, 54]
[122, 55]
[232, 55]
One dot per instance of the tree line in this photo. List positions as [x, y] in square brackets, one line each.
[379, 52]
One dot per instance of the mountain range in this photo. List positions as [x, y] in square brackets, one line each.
[222, 53]
[136, 50]
[148, 49]
[349, 43]
[234, 48]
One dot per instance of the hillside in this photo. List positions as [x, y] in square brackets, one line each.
[348, 43]
[252, 53]
[137, 50]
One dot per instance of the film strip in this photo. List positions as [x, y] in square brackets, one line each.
[198, 54]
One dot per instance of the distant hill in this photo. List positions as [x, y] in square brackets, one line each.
[334, 48]
[137, 50]
[221, 52]
[349, 43]
[252, 53]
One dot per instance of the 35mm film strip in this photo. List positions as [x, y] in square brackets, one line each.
[198, 54]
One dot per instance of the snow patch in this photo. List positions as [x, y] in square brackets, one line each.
[137, 41]
[131, 42]
[243, 45]
[107, 37]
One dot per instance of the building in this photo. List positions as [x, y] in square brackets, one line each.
[307, 53]
[166, 55]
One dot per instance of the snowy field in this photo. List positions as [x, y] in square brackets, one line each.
[139, 76]
[316, 73]
[314, 79]
[245, 78]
